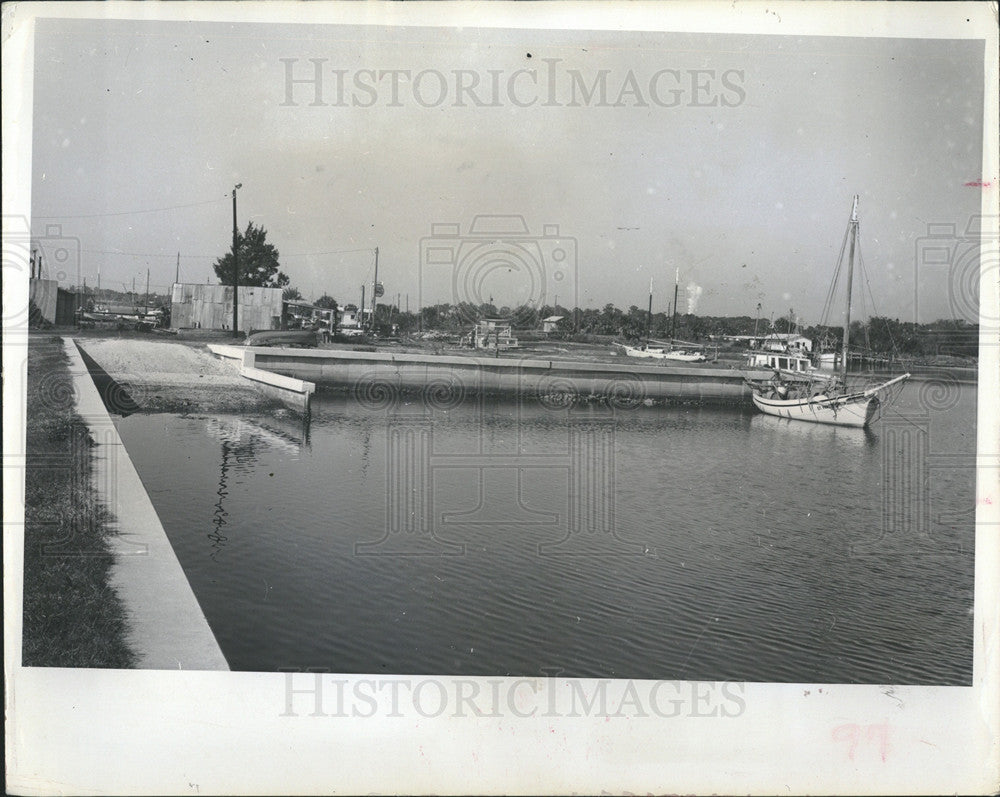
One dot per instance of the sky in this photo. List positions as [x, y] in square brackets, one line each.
[726, 162]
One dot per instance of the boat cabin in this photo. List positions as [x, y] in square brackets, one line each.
[780, 361]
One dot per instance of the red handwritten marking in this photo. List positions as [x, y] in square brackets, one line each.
[881, 732]
[978, 184]
[852, 734]
[847, 733]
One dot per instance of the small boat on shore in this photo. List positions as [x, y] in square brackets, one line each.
[282, 337]
[798, 393]
[649, 352]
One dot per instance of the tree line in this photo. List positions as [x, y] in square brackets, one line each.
[259, 266]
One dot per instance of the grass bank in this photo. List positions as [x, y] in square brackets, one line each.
[72, 616]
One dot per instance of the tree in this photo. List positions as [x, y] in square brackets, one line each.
[290, 294]
[258, 261]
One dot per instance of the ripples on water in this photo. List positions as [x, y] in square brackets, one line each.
[731, 555]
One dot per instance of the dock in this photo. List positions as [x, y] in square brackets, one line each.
[368, 374]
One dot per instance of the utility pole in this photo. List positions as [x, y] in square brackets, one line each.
[375, 288]
[177, 271]
[145, 304]
[361, 320]
[236, 267]
[407, 304]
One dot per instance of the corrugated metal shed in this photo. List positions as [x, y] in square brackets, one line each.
[196, 306]
[44, 294]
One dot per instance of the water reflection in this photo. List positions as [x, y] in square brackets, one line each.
[819, 434]
[757, 548]
[216, 537]
[241, 443]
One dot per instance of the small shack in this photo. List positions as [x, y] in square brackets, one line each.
[51, 304]
[551, 323]
[197, 306]
[787, 342]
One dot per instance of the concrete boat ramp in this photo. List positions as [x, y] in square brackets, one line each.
[379, 374]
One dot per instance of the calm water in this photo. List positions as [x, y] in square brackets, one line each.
[499, 538]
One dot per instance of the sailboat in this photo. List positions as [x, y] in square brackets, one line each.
[827, 400]
[667, 352]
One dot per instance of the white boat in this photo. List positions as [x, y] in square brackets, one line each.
[827, 361]
[685, 356]
[642, 351]
[847, 409]
[824, 399]
[664, 354]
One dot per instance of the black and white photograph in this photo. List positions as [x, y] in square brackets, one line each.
[508, 398]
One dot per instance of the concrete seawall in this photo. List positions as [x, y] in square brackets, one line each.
[167, 628]
[293, 393]
[366, 372]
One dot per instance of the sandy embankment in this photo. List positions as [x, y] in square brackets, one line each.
[175, 377]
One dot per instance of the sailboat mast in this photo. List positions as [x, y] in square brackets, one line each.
[673, 321]
[649, 313]
[850, 281]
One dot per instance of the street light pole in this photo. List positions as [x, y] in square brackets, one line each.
[375, 289]
[236, 267]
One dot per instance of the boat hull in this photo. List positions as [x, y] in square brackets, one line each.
[660, 354]
[856, 411]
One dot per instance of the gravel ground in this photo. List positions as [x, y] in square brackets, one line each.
[175, 377]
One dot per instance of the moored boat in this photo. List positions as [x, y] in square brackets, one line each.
[648, 352]
[798, 393]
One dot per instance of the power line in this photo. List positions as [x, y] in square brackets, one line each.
[215, 257]
[132, 212]
[143, 254]
[334, 252]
